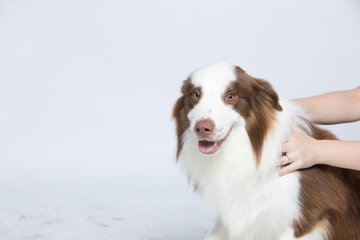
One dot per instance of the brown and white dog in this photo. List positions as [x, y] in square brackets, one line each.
[230, 129]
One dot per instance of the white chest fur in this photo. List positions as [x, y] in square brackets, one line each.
[252, 202]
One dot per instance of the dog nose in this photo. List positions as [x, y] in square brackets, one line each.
[204, 128]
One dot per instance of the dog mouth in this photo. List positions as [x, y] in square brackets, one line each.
[209, 147]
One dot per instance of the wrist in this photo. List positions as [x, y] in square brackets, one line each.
[317, 154]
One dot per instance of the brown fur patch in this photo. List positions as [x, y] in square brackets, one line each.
[181, 109]
[257, 103]
[329, 195]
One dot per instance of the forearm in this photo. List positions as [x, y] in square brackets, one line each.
[334, 107]
[344, 154]
[303, 151]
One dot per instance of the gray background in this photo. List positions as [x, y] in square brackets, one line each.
[86, 91]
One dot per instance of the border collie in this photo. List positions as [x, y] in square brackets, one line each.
[230, 128]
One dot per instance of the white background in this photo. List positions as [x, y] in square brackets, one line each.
[87, 142]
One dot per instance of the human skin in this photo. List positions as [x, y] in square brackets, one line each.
[305, 151]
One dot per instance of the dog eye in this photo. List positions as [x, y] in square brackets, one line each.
[231, 98]
[196, 95]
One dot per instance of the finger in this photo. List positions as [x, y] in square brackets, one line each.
[284, 160]
[288, 169]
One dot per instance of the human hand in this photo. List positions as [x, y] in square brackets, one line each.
[300, 152]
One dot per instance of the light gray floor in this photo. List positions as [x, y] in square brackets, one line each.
[103, 213]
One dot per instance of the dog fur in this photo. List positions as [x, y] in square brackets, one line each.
[230, 128]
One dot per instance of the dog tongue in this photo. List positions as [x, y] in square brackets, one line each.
[208, 147]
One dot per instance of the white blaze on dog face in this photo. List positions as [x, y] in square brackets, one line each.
[213, 117]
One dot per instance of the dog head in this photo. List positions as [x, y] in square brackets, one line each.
[219, 97]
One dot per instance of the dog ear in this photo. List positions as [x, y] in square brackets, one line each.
[262, 103]
[257, 90]
[180, 103]
[264, 90]
[186, 86]
[180, 116]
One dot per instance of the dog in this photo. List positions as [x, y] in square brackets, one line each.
[230, 129]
